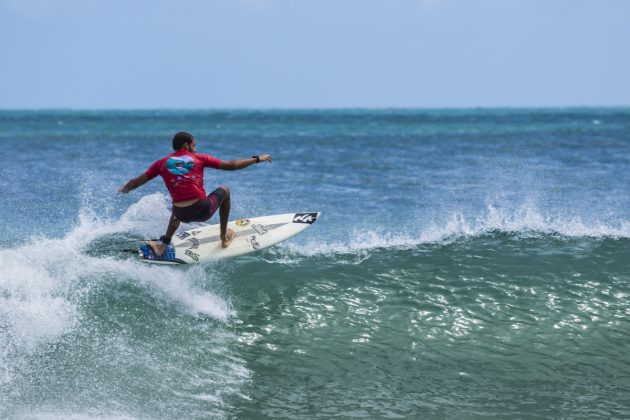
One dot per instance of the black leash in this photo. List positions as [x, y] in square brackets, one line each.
[108, 247]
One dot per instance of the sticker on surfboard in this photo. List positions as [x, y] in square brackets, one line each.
[309, 218]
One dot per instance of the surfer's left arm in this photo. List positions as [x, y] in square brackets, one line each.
[134, 183]
[235, 165]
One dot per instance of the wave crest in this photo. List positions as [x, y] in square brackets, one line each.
[526, 221]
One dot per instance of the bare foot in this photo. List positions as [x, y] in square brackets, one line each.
[158, 247]
[230, 235]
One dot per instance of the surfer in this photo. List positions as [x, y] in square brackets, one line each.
[182, 172]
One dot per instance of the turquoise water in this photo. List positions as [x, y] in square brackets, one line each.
[467, 264]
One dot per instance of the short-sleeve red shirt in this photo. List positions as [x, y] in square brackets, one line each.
[182, 172]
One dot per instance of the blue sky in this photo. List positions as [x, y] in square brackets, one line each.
[313, 53]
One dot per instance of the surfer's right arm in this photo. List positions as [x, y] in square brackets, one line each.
[134, 183]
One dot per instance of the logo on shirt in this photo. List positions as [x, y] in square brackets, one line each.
[180, 165]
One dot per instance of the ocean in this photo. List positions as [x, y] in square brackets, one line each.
[468, 263]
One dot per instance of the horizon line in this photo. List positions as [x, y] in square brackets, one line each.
[340, 108]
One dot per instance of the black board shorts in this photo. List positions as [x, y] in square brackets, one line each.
[201, 210]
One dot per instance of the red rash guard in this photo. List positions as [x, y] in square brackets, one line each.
[183, 173]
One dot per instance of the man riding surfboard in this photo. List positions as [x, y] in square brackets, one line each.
[182, 172]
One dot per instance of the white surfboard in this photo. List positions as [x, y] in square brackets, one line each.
[204, 244]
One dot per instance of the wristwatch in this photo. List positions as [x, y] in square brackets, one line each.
[257, 158]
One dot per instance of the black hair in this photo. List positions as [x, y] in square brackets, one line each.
[180, 139]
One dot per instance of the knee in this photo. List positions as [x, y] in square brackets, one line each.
[227, 191]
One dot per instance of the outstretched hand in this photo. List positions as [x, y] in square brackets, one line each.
[133, 184]
[265, 157]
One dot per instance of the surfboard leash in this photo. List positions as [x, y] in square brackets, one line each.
[109, 247]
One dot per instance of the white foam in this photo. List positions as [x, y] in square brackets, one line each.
[42, 280]
[145, 217]
[175, 284]
[526, 220]
[31, 300]
[60, 415]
